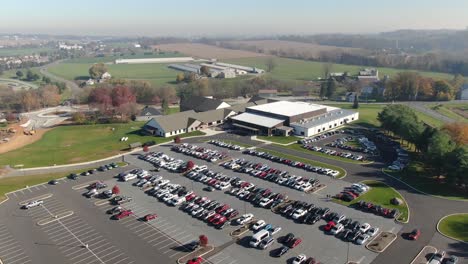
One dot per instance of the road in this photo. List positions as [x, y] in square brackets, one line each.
[70, 84]
[44, 118]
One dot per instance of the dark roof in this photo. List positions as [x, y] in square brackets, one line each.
[240, 107]
[258, 100]
[150, 111]
[199, 104]
[184, 119]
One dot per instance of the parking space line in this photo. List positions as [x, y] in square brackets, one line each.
[150, 230]
[112, 252]
[11, 252]
[84, 259]
[149, 241]
[160, 242]
[6, 241]
[164, 225]
[8, 245]
[121, 261]
[113, 257]
[20, 259]
[77, 256]
[165, 246]
[176, 253]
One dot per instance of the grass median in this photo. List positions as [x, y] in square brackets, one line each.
[381, 194]
[342, 172]
[455, 226]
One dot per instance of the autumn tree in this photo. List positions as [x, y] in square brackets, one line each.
[101, 97]
[443, 90]
[205, 70]
[167, 93]
[29, 100]
[458, 132]
[97, 70]
[50, 95]
[180, 77]
[79, 117]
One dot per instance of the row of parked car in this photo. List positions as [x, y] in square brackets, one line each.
[161, 160]
[215, 180]
[261, 197]
[377, 209]
[348, 230]
[319, 137]
[268, 173]
[223, 144]
[199, 152]
[110, 166]
[332, 152]
[352, 192]
[292, 163]
[303, 212]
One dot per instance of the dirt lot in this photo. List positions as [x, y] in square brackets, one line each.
[207, 51]
[19, 139]
[306, 49]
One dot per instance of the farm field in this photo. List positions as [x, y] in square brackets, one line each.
[74, 144]
[207, 51]
[300, 70]
[155, 73]
[307, 49]
[23, 51]
[111, 59]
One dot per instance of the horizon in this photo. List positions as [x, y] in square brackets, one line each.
[242, 18]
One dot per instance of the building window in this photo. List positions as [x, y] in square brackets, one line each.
[329, 126]
[352, 118]
[318, 130]
[341, 122]
[302, 133]
[335, 124]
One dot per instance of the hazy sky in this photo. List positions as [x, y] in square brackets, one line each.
[234, 17]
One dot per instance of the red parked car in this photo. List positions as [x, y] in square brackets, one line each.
[197, 260]
[150, 217]
[222, 208]
[190, 197]
[214, 218]
[294, 243]
[329, 226]
[220, 220]
[123, 214]
[414, 235]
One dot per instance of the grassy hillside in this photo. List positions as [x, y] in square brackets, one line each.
[291, 69]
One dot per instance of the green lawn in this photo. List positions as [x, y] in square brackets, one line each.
[301, 70]
[14, 183]
[155, 73]
[455, 226]
[112, 58]
[74, 144]
[367, 113]
[381, 194]
[298, 147]
[21, 51]
[307, 161]
[280, 139]
[173, 110]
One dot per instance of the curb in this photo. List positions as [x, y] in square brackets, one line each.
[417, 256]
[447, 236]
[436, 196]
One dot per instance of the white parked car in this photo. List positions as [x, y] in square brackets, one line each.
[362, 239]
[299, 213]
[264, 202]
[337, 229]
[372, 231]
[244, 219]
[33, 204]
[259, 224]
[364, 227]
[299, 259]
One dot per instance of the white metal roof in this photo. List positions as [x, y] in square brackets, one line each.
[258, 120]
[287, 108]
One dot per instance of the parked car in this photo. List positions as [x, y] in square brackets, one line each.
[414, 235]
[150, 217]
[280, 251]
[299, 259]
[451, 260]
[192, 245]
[33, 204]
[53, 182]
[294, 242]
[115, 210]
[123, 214]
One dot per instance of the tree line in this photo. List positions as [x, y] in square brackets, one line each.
[443, 151]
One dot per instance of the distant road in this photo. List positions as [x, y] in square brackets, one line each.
[44, 71]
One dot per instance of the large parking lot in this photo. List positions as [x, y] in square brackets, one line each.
[89, 235]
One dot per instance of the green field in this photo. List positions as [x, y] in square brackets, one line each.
[112, 58]
[448, 110]
[291, 69]
[381, 194]
[74, 144]
[367, 113]
[24, 51]
[455, 226]
[173, 110]
[156, 73]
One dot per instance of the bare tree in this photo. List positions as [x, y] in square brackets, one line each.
[327, 68]
[270, 64]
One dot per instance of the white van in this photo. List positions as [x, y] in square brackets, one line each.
[129, 177]
[258, 237]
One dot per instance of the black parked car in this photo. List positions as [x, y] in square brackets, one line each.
[280, 251]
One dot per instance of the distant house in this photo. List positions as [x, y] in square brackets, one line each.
[184, 122]
[90, 82]
[367, 76]
[268, 92]
[106, 76]
[201, 104]
[227, 74]
[464, 92]
[147, 113]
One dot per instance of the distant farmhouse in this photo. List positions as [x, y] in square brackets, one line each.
[217, 69]
[202, 104]
[368, 76]
[147, 113]
[64, 46]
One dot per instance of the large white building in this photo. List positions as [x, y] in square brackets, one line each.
[287, 118]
